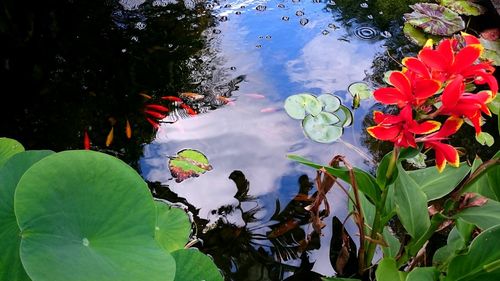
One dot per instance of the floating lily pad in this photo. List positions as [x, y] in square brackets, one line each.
[298, 106]
[345, 116]
[321, 128]
[9, 147]
[360, 89]
[491, 50]
[435, 19]
[417, 36]
[330, 103]
[464, 7]
[194, 265]
[10, 238]
[188, 163]
[172, 227]
[85, 215]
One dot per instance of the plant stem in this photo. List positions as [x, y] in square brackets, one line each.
[379, 207]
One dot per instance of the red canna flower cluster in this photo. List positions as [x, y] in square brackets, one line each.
[432, 84]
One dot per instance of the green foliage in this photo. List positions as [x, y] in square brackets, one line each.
[188, 163]
[464, 7]
[387, 270]
[423, 274]
[484, 216]
[482, 262]
[435, 19]
[491, 52]
[485, 138]
[9, 147]
[85, 215]
[359, 91]
[299, 105]
[488, 183]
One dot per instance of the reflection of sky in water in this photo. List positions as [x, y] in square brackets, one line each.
[280, 58]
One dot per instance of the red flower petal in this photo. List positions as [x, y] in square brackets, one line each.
[425, 88]
[388, 96]
[401, 82]
[426, 127]
[417, 66]
[452, 92]
[470, 39]
[450, 126]
[466, 57]
[384, 133]
[444, 153]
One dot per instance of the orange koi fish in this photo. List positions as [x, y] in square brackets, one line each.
[109, 139]
[225, 100]
[171, 98]
[157, 107]
[86, 140]
[144, 95]
[188, 109]
[191, 96]
[155, 114]
[256, 96]
[128, 130]
[269, 110]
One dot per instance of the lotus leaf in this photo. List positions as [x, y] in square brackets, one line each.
[330, 103]
[9, 147]
[195, 266]
[299, 105]
[322, 128]
[10, 239]
[188, 163]
[172, 227]
[464, 7]
[434, 19]
[85, 215]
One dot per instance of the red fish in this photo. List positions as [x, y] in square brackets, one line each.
[146, 96]
[155, 114]
[86, 141]
[171, 98]
[128, 130]
[153, 123]
[109, 138]
[157, 107]
[256, 96]
[188, 109]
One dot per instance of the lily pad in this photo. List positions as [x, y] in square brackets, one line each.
[330, 103]
[360, 89]
[188, 163]
[321, 128]
[9, 147]
[491, 50]
[464, 7]
[172, 227]
[435, 19]
[345, 116]
[195, 266]
[417, 36]
[299, 105]
[10, 238]
[85, 215]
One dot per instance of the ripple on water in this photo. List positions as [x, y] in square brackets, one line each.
[365, 32]
[285, 18]
[260, 8]
[303, 21]
[299, 13]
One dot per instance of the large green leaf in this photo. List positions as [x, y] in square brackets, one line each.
[492, 52]
[434, 19]
[172, 227]
[436, 185]
[482, 262]
[9, 147]
[322, 128]
[366, 182]
[484, 216]
[464, 7]
[487, 184]
[423, 274]
[194, 265]
[393, 244]
[10, 263]
[299, 105]
[85, 215]
[411, 204]
[387, 270]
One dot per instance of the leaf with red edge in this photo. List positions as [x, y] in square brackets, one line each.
[435, 19]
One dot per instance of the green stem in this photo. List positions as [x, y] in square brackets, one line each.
[377, 223]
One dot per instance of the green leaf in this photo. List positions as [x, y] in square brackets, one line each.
[330, 103]
[484, 216]
[299, 105]
[345, 116]
[485, 138]
[9, 147]
[491, 52]
[194, 265]
[418, 161]
[487, 184]
[393, 242]
[10, 238]
[85, 215]
[321, 127]
[172, 227]
[423, 274]
[494, 105]
[382, 171]
[188, 163]
[387, 270]
[411, 204]
[436, 185]
[445, 254]
[360, 89]
[482, 262]
[464, 7]
[434, 19]
[366, 183]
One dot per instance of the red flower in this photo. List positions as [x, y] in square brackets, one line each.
[400, 129]
[444, 152]
[457, 103]
[408, 90]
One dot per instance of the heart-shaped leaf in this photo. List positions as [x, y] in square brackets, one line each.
[172, 227]
[321, 128]
[361, 90]
[188, 163]
[85, 215]
[194, 265]
[9, 147]
[330, 103]
[10, 238]
[434, 19]
[464, 7]
[345, 116]
[299, 105]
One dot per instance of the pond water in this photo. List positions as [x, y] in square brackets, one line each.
[76, 67]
